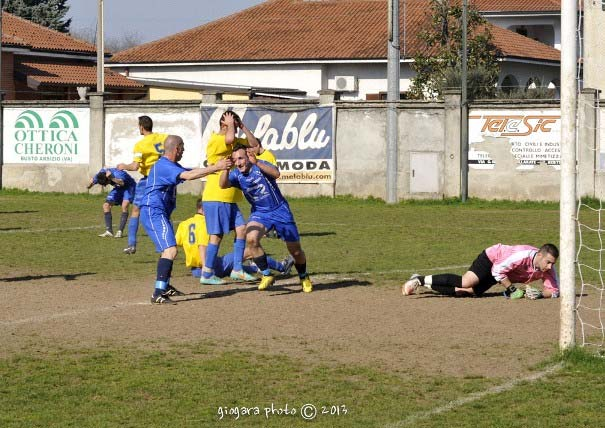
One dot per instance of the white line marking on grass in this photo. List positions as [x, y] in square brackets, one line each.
[44, 318]
[475, 396]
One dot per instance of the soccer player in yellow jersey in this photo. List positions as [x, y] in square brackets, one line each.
[264, 154]
[192, 236]
[220, 205]
[146, 153]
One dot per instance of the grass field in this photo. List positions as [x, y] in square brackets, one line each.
[82, 348]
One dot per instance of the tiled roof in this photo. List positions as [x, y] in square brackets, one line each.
[517, 5]
[77, 74]
[307, 30]
[20, 32]
[515, 45]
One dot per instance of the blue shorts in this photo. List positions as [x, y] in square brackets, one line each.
[140, 189]
[158, 227]
[222, 217]
[223, 266]
[118, 194]
[280, 219]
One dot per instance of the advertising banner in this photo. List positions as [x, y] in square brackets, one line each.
[531, 137]
[302, 140]
[46, 135]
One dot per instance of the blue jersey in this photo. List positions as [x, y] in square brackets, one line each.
[160, 191]
[117, 173]
[261, 191]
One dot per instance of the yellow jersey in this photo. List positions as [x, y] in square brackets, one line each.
[190, 234]
[216, 150]
[148, 150]
[268, 156]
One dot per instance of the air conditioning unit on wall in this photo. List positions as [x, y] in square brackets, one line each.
[345, 83]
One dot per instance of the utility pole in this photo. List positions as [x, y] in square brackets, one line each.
[1, 99]
[393, 60]
[464, 109]
[100, 50]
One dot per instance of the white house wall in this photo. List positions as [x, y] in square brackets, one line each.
[371, 78]
[305, 77]
[509, 22]
[523, 72]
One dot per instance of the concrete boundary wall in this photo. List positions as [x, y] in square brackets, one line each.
[428, 155]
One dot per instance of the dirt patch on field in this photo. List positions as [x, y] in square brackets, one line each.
[345, 320]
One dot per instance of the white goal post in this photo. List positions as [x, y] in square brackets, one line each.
[568, 198]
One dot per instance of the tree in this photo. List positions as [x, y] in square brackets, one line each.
[112, 44]
[49, 13]
[439, 67]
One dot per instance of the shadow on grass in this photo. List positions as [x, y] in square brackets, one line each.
[283, 290]
[276, 290]
[66, 277]
[9, 229]
[19, 212]
[429, 295]
[317, 234]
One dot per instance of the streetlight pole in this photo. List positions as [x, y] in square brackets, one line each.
[393, 60]
[464, 109]
[100, 50]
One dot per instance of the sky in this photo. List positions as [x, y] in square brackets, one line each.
[150, 19]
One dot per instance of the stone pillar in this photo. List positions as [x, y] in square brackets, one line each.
[587, 145]
[97, 132]
[211, 97]
[328, 96]
[2, 93]
[451, 139]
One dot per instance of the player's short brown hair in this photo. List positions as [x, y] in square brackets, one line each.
[146, 123]
[550, 249]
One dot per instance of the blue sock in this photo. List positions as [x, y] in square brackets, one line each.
[164, 270]
[160, 288]
[238, 253]
[274, 264]
[133, 226]
[108, 225]
[211, 253]
[162, 282]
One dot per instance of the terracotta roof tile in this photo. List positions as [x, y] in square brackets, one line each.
[517, 5]
[306, 30]
[80, 74]
[17, 31]
[515, 45]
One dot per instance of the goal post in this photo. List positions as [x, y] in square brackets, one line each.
[568, 193]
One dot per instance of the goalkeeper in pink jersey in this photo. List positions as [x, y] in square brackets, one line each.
[499, 264]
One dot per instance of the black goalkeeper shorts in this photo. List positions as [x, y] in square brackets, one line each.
[482, 267]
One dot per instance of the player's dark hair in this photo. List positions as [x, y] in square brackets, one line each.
[102, 178]
[199, 203]
[236, 118]
[146, 123]
[550, 249]
[239, 146]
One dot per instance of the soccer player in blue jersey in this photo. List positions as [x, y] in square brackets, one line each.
[193, 237]
[157, 204]
[121, 194]
[257, 180]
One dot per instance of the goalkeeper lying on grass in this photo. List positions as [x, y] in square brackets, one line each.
[499, 264]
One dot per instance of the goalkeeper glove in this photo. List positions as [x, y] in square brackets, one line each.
[533, 293]
[513, 293]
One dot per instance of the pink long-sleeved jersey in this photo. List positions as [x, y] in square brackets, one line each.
[516, 262]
